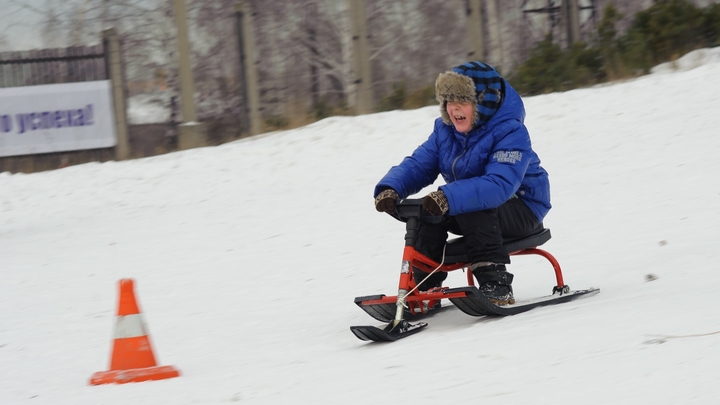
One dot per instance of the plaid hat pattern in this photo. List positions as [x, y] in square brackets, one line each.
[489, 87]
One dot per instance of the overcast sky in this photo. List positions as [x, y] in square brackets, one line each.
[19, 25]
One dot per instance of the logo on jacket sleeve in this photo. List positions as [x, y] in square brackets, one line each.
[510, 157]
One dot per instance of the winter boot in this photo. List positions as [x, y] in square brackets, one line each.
[495, 282]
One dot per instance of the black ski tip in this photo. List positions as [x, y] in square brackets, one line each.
[389, 334]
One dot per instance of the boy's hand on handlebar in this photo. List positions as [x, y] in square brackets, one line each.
[385, 201]
[436, 203]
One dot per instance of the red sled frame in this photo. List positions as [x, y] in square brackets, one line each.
[420, 302]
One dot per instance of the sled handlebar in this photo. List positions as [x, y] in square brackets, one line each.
[412, 208]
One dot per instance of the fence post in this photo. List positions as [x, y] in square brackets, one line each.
[114, 68]
[361, 56]
[191, 133]
[497, 55]
[311, 32]
[473, 26]
[571, 15]
[249, 79]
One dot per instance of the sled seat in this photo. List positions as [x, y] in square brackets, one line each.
[456, 251]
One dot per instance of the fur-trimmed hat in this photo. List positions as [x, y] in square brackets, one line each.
[472, 82]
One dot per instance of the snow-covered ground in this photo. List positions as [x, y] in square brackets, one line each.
[247, 257]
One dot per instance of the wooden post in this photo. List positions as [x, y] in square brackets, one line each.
[571, 17]
[473, 26]
[310, 24]
[497, 55]
[250, 82]
[191, 132]
[361, 56]
[114, 69]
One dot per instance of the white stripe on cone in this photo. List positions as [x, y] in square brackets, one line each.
[129, 326]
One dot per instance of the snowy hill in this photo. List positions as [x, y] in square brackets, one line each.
[247, 258]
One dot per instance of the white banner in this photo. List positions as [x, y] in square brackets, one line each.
[56, 117]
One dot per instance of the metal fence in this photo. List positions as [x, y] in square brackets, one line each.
[51, 66]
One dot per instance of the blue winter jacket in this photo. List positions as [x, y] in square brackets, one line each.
[482, 169]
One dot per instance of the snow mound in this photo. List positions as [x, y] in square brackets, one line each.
[690, 61]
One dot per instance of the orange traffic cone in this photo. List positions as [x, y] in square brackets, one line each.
[132, 358]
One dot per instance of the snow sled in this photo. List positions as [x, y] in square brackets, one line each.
[411, 304]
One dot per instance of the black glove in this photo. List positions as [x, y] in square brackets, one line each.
[385, 201]
[436, 203]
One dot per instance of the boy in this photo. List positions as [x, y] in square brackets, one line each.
[495, 186]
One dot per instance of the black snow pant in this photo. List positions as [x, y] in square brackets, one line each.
[483, 232]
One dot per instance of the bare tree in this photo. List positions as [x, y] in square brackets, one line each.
[323, 47]
[413, 41]
[52, 30]
[145, 28]
[215, 57]
[4, 44]
[303, 46]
